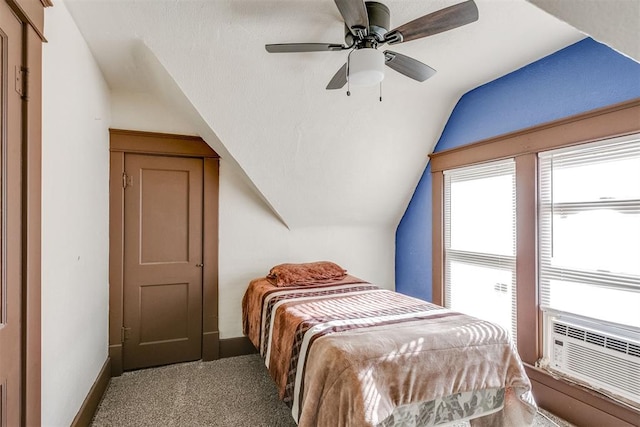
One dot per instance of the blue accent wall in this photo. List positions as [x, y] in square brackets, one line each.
[581, 77]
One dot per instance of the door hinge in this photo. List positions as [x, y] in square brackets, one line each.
[124, 334]
[22, 80]
[127, 180]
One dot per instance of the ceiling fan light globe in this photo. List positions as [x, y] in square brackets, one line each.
[366, 67]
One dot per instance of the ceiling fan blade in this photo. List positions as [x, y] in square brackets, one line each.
[302, 47]
[444, 19]
[339, 79]
[354, 13]
[408, 66]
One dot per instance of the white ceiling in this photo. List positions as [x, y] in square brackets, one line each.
[317, 157]
[614, 23]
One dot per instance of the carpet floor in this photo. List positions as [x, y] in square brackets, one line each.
[231, 392]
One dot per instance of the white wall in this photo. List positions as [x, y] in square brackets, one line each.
[75, 219]
[78, 109]
[252, 239]
[142, 111]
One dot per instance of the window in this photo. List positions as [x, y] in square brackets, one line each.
[480, 242]
[598, 190]
[589, 236]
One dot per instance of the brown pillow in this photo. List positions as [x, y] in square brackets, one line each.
[300, 274]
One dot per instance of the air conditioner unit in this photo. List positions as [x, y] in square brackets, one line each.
[605, 357]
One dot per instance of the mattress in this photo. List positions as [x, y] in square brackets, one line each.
[349, 353]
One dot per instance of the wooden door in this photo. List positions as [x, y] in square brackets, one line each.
[10, 213]
[162, 260]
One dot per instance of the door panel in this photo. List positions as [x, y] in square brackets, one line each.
[10, 214]
[165, 209]
[162, 260]
[172, 300]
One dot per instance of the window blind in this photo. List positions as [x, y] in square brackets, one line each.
[589, 230]
[479, 241]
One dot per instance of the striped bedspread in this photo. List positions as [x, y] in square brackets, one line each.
[352, 354]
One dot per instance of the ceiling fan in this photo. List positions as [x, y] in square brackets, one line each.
[367, 28]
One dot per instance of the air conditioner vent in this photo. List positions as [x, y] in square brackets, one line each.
[559, 328]
[604, 368]
[634, 350]
[596, 339]
[616, 345]
[576, 333]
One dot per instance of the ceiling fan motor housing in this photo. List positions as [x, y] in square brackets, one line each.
[379, 23]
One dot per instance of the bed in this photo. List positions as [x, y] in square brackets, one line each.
[344, 352]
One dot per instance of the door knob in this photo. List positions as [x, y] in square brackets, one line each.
[200, 265]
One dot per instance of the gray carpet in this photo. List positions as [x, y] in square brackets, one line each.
[228, 392]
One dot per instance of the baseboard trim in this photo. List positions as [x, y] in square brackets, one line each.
[115, 354]
[88, 409]
[210, 346]
[239, 346]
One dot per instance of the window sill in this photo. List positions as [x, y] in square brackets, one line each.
[577, 404]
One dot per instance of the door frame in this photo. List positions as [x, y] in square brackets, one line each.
[127, 141]
[31, 14]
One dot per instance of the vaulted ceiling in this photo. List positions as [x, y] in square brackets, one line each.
[317, 157]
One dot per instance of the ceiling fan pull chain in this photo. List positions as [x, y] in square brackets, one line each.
[348, 85]
[380, 91]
